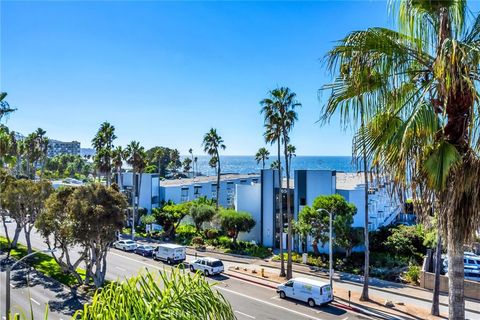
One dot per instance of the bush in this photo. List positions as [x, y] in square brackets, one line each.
[211, 233]
[412, 275]
[197, 241]
[185, 233]
[225, 242]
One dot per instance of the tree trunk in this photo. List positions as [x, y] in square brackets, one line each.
[289, 213]
[27, 230]
[18, 229]
[364, 296]
[218, 180]
[456, 274]
[280, 197]
[436, 288]
[316, 252]
[134, 195]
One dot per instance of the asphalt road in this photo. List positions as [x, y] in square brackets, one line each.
[249, 301]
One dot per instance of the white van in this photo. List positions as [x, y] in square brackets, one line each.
[169, 252]
[312, 291]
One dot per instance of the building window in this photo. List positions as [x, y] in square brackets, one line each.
[184, 196]
[303, 201]
[197, 191]
[214, 190]
[255, 180]
[243, 181]
[230, 193]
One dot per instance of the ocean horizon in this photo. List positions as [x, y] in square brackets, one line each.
[248, 164]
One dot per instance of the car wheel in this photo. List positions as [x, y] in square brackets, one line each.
[169, 261]
[207, 273]
[282, 295]
[192, 269]
[311, 303]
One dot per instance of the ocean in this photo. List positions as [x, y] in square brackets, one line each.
[247, 164]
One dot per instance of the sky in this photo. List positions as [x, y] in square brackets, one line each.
[164, 73]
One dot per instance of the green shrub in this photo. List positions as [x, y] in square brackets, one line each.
[185, 233]
[412, 275]
[225, 242]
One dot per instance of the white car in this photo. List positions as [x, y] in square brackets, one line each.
[125, 245]
[208, 266]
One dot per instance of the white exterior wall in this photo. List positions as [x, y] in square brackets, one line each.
[248, 199]
[148, 189]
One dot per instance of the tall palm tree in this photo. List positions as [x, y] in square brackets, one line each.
[118, 155]
[103, 145]
[212, 144]
[420, 81]
[282, 102]
[42, 147]
[273, 134]
[136, 157]
[262, 155]
[193, 164]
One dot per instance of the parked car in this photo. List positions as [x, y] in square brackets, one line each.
[170, 253]
[144, 250]
[208, 266]
[312, 291]
[125, 245]
[7, 219]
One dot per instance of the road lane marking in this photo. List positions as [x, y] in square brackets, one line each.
[137, 261]
[121, 269]
[244, 314]
[33, 300]
[269, 303]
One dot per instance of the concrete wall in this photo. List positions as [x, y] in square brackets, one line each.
[248, 199]
[427, 280]
[268, 182]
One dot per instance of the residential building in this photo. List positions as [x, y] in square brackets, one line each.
[148, 193]
[56, 147]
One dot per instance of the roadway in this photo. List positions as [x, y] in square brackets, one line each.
[249, 301]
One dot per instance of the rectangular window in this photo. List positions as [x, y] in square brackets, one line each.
[197, 191]
[303, 201]
[214, 190]
[184, 195]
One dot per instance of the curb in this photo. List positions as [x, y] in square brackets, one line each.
[232, 274]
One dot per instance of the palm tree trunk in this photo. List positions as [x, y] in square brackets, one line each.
[280, 197]
[436, 288]
[218, 180]
[456, 274]
[364, 296]
[289, 213]
[134, 195]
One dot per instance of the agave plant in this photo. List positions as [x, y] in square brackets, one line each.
[166, 295]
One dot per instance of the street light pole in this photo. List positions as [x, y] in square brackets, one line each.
[330, 246]
[7, 281]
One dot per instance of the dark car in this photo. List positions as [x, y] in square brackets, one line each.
[144, 250]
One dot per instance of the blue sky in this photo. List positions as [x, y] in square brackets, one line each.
[163, 73]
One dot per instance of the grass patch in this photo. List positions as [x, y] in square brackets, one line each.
[43, 263]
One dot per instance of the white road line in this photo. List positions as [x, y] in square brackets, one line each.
[33, 300]
[244, 314]
[121, 269]
[137, 261]
[269, 303]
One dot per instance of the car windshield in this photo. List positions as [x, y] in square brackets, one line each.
[217, 263]
[130, 242]
[148, 247]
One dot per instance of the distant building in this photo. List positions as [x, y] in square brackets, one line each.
[56, 148]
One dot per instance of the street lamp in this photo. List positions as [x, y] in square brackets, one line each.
[7, 281]
[330, 246]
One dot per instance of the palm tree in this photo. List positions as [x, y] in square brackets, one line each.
[212, 143]
[291, 153]
[103, 145]
[261, 156]
[5, 108]
[272, 134]
[195, 166]
[418, 85]
[192, 162]
[118, 155]
[42, 147]
[136, 157]
[282, 102]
